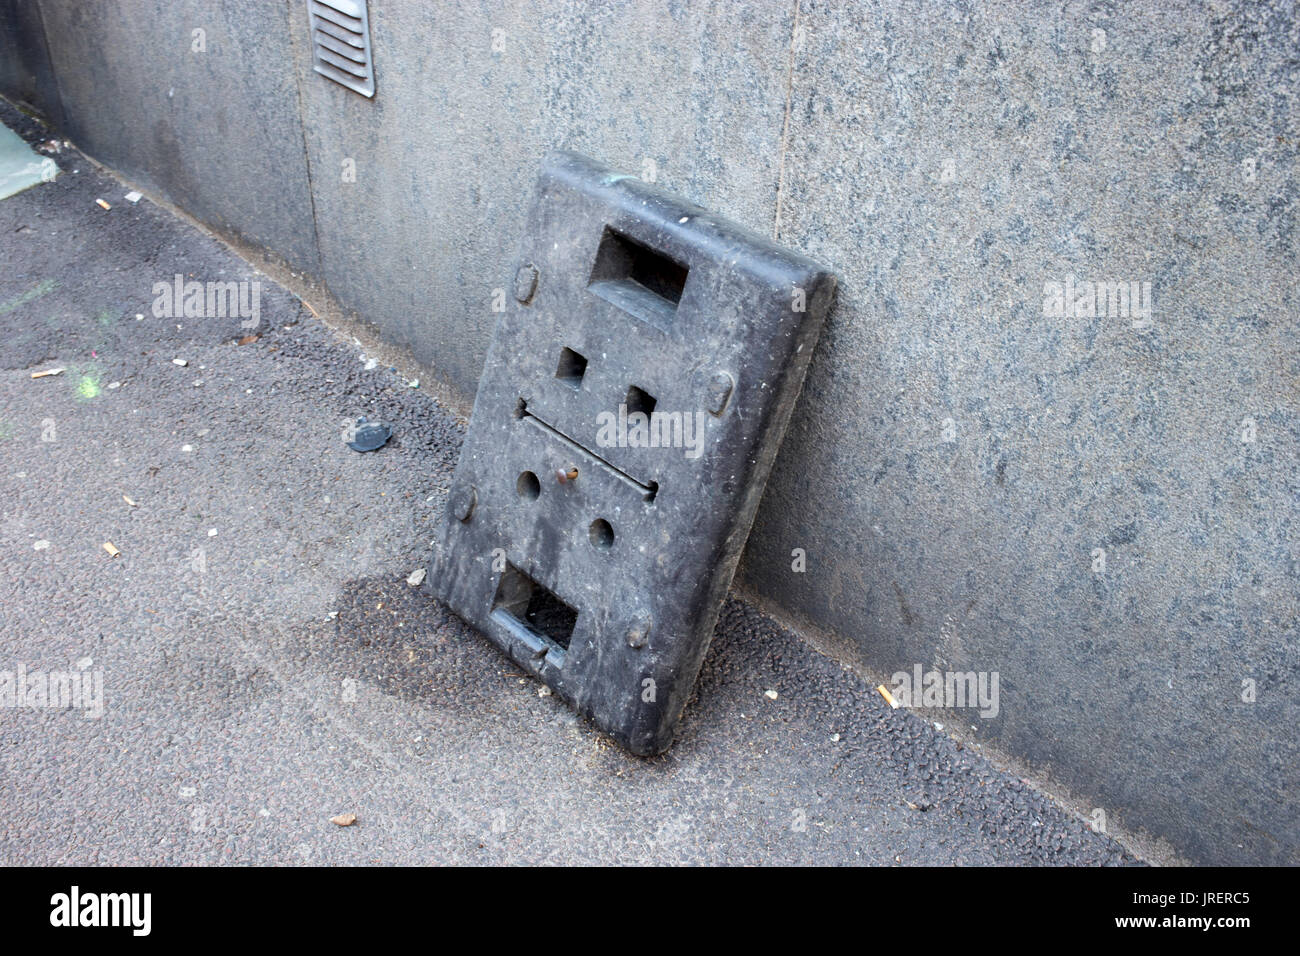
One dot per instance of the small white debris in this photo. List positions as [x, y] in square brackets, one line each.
[181, 362]
[139, 316]
[416, 577]
[543, 692]
[332, 615]
[414, 383]
[770, 694]
[133, 196]
[187, 447]
[188, 792]
[835, 738]
[114, 384]
[371, 363]
[40, 545]
[264, 812]
[198, 382]
[938, 726]
[212, 532]
[202, 431]
[84, 662]
[129, 500]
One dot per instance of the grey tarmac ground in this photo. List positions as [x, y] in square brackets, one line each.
[266, 666]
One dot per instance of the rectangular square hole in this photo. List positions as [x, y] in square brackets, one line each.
[572, 367]
[639, 400]
[534, 608]
[637, 279]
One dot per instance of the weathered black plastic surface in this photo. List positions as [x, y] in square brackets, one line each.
[623, 294]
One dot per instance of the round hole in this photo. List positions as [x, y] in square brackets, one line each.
[602, 534]
[528, 486]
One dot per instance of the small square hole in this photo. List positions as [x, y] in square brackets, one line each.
[571, 369]
[639, 400]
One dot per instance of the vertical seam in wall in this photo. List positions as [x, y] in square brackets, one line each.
[302, 129]
[785, 125]
[59, 122]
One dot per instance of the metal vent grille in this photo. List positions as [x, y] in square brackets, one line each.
[340, 43]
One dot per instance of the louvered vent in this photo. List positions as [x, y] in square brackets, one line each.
[340, 43]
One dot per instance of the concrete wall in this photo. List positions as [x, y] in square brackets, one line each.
[217, 132]
[446, 154]
[1103, 510]
[26, 76]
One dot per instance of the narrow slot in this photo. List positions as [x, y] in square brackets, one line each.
[341, 63]
[637, 279]
[351, 21]
[345, 50]
[646, 491]
[343, 35]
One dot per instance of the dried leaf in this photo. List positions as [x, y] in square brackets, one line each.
[344, 819]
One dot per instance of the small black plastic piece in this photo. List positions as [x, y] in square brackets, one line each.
[367, 436]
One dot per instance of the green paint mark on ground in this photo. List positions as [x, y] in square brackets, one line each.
[85, 380]
[88, 385]
[106, 317]
[42, 288]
